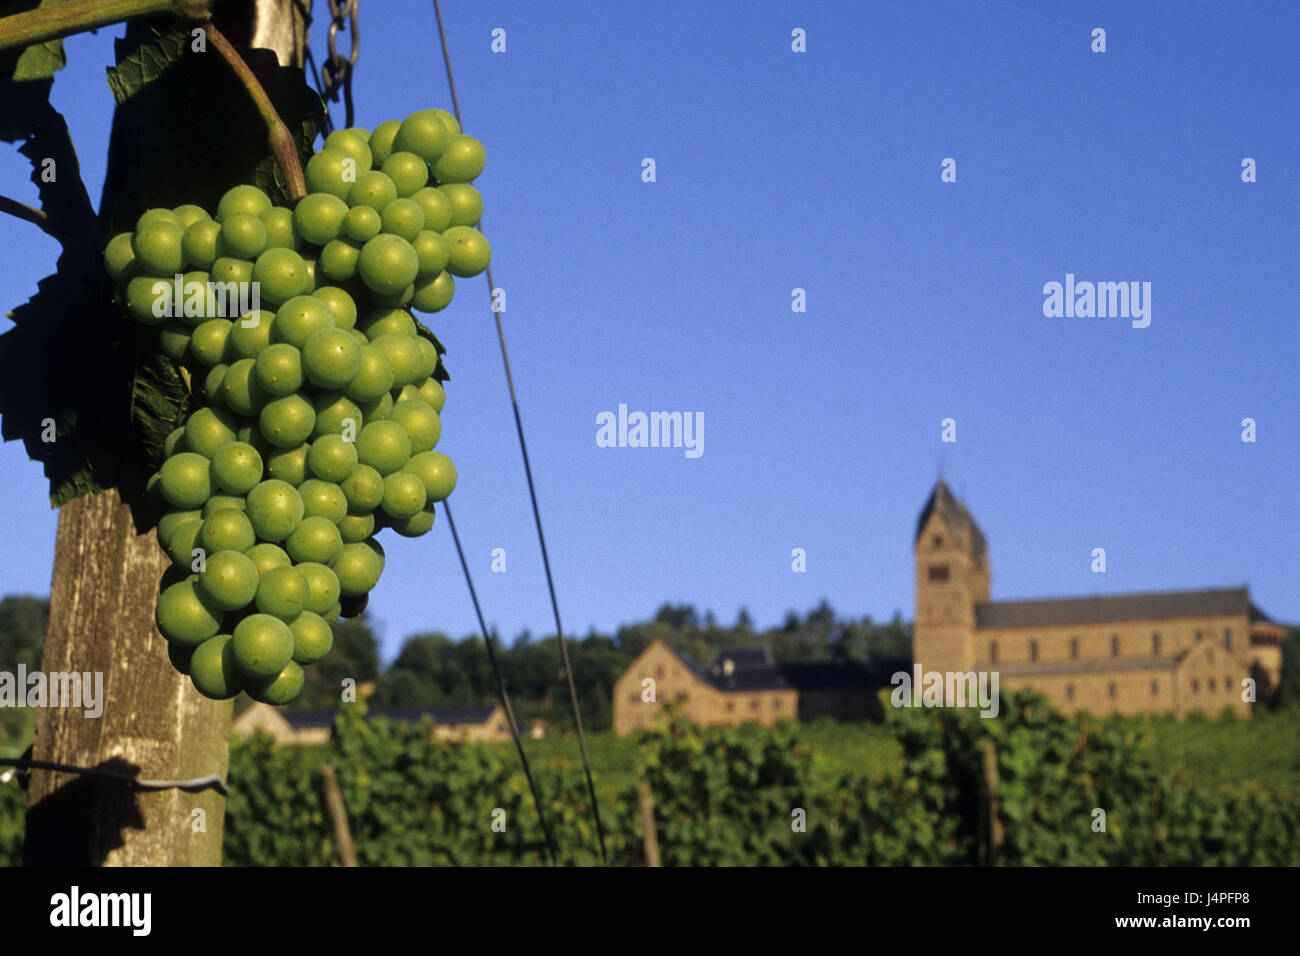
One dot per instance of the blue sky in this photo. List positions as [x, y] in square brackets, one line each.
[821, 170]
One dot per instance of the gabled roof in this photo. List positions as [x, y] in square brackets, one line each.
[956, 516]
[1102, 609]
[444, 716]
[749, 667]
[840, 674]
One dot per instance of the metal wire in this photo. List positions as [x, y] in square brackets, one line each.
[532, 492]
[501, 689]
[212, 781]
[337, 70]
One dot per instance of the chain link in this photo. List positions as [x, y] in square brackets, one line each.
[336, 71]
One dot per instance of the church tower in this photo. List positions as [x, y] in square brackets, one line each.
[952, 576]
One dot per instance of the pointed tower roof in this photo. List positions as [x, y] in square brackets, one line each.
[956, 516]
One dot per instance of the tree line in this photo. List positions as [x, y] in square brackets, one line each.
[431, 669]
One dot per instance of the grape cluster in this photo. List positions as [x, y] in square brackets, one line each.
[318, 410]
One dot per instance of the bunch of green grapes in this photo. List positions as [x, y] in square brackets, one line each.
[318, 407]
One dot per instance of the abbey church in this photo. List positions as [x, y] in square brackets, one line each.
[1167, 651]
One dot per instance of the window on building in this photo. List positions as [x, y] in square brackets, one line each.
[1155, 644]
[1069, 692]
[938, 572]
[776, 703]
[993, 651]
[1114, 645]
[1155, 688]
[1199, 635]
[1227, 684]
[753, 705]
[1111, 689]
[937, 541]
[1033, 650]
[1210, 684]
[731, 705]
[1196, 686]
[1227, 638]
[501, 728]
[682, 695]
[1074, 648]
[633, 697]
[659, 672]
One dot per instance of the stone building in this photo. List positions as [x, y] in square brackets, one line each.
[307, 727]
[743, 685]
[1173, 651]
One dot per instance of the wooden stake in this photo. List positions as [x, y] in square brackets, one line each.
[339, 816]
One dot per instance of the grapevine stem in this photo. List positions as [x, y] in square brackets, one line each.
[78, 16]
[278, 136]
[25, 212]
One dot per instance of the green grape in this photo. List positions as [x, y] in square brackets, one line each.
[263, 645]
[251, 334]
[356, 528]
[468, 251]
[448, 120]
[408, 172]
[281, 689]
[185, 616]
[213, 669]
[378, 410]
[354, 142]
[151, 216]
[436, 471]
[423, 133]
[331, 171]
[404, 354]
[173, 520]
[289, 464]
[157, 249]
[421, 422]
[333, 411]
[379, 322]
[188, 214]
[359, 566]
[242, 199]
[434, 295]
[381, 141]
[287, 422]
[341, 304]
[404, 495]
[208, 342]
[280, 274]
[278, 370]
[230, 269]
[432, 394]
[317, 538]
[312, 637]
[432, 253]
[282, 593]
[275, 509]
[198, 300]
[222, 502]
[331, 358]
[242, 236]
[237, 467]
[229, 580]
[280, 234]
[384, 446]
[146, 297]
[374, 375]
[267, 556]
[208, 429]
[239, 389]
[419, 523]
[119, 254]
[465, 201]
[318, 218]
[323, 499]
[373, 189]
[299, 318]
[428, 358]
[181, 543]
[388, 263]
[364, 489]
[339, 259]
[212, 384]
[461, 161]
[187, 480]
[332, 459]
[402, 217]
[361, 223]
[436, 208]
[200, 243]
[226, 530]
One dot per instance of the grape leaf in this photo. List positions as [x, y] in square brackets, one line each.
[40, 61]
